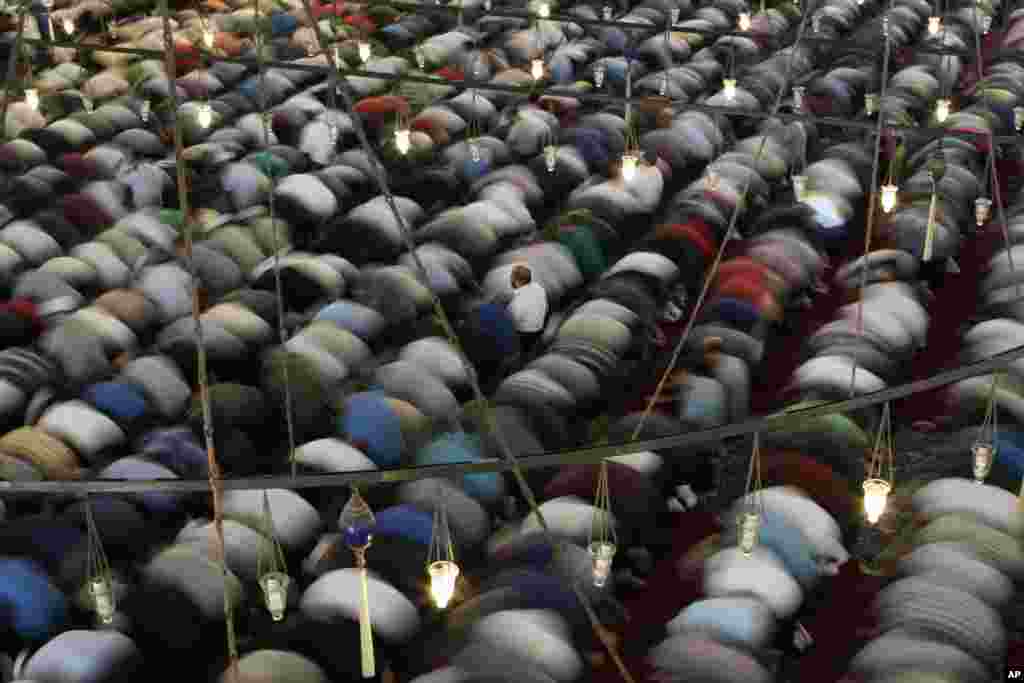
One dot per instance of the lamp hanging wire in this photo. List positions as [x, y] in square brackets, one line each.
[101, 579]
[983, 450]
[603, 539]
[881, 472]
[272, 568]
[749, 522]
[441, 566]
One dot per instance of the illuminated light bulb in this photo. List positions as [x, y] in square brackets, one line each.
[663, 86]
[68, 25]
[986, 23]
[364, 51]
[934, 25]
[602, 553]
[712, 182]
[102, 592]
[798, 97]
[889, 197]
[750, 524]
[729, 89]
[1018, 118]
[630, 161]
[876, 495]
[204, 116]
[799, 187]
[744, 21]
[942, 107]
[983, 454]
[32, 98]
[421, 59]
[334, 132]
[275, 593]
[816, 25]
[474, 151]
[599, 77]
[537, 69]
[443, 575]
[606, 12]
[403, 140]
[144, 110]
[544, 10]
[982, 210]
[551, 158]
[208, 38]
[885, 26]
[487, 5]
[871, 101]
[673, 15]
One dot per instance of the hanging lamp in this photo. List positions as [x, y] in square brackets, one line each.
[752, 508]
[729, 89]
[983, 450]
[889, 190]
[204, 115]
[487, 5]
[942, 108]
[673, 16]
[101, 581]
[68, 26]
[798, 98]
[599, 70]
[871, 103]
[936, 170]
[207, 37]
[32, 98]
[441, 566]
[982, 210]
[603, 540]
[934, 25]
[1018, 118]
[272, 569]
[357, 523]
[537, 69]
[712, 181]
[876, 486]
[606, 12]
[543, 10]
[144, 110]
[744, 21]
[365, 51]
[403, 135]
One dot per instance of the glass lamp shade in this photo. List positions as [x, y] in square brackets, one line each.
[750, 524]
[986, 23]
[630, 161]
[364, 51]
[32, 98]
[487, 5]
[474, 151]
[602, 554]
[889, 197]
[1018, 118]
[799, 186]
[942, 108]
[798, 97]
[443, 576]
[744, 21]
[275, 593]
[144, 110]
[537, 69]
[982, 210]
[208, 39]
[421, 59]
[204, 115]
[544, 10]
[663, 86]
[729, 89]
[673, 15]
[885, 26]
[712, 181]
[871, 103]
[876, 495]
[357, 522]
[551, 158]
[934, 25]
[606, 12]
[403, 140]
[599, 75]
[68, 25]
[101, 590]
[983, 454]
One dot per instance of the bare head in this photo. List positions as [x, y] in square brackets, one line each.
[521, 276]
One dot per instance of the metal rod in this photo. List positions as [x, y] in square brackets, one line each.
[587, 455]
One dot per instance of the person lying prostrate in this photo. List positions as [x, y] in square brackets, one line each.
[528, 308]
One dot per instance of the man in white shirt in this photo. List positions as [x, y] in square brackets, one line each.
[528, 308]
